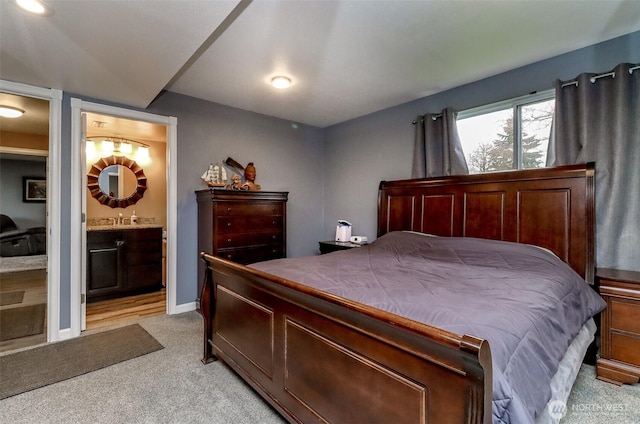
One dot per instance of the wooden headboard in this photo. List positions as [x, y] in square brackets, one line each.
[549, 207]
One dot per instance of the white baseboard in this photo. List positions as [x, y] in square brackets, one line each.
[185, 307]
[64, 334]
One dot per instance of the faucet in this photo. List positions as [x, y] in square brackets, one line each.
[118, 220]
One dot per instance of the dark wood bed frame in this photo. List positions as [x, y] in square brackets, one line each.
[316, 357]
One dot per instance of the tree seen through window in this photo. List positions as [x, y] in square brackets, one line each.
[491, 143]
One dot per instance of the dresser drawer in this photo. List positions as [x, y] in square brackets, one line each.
[625, 316]
[248, 239]
[242, 224]
[237, 208]
[246, 255]
[625, 348]
[619, 360]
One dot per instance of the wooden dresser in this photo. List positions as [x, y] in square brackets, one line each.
[242, 226]
[619, 360]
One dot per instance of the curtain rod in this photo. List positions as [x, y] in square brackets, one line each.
[434, 117]
[593, 79]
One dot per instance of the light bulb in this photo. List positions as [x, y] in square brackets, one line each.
[10, 112]
[126, 148]
[107, 146]
[281, 82]
[142, 155]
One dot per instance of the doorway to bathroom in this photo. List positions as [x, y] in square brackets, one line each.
[124, 181]
[126, 200]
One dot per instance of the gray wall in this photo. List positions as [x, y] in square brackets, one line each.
[24, 214]
[287, 156]
[330, 173]
[362, 152]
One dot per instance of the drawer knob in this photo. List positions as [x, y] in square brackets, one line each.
[274, 237]
[228, 209]
[273, 222]
[228, 240]
[228, 224]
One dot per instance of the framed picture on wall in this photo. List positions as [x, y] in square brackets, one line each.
[34, 189]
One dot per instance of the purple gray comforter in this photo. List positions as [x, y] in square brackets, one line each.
[525, 301]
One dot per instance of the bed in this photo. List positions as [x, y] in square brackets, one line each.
[21, 242]
[310, 337]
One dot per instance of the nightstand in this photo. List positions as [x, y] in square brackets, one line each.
[619, 360]
[332, 246]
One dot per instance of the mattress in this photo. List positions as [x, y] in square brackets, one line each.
[525, 301]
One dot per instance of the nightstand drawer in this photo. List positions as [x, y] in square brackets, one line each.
[625, 348]
[625, 316]
[619, 360]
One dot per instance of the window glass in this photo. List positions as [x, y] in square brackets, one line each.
[536, 128]
[509, 135]
[487, 141]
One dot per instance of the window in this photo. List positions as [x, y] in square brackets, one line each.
[513, 134]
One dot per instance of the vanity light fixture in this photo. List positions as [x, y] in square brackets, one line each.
[119, 147]
[126, 148]
[90, 148]
[142, 155]
[281, 82]
[10, 112]
[37, 7]
[108, 146]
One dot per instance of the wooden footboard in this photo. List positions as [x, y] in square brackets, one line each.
[320, 358]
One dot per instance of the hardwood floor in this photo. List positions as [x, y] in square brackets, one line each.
[34, 284]
[99, 314]
[117, 311]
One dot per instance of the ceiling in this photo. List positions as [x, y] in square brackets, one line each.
[345, 58]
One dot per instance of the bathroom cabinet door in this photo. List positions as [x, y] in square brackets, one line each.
[123, 262]
[106, 255]
[144, 259]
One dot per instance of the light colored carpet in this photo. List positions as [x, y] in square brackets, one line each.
[22, 263]
[55, 362]
[173, 386]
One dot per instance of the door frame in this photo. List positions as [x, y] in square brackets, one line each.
[78, 202]
[54, 170]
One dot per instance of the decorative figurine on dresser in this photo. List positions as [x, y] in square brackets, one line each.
[239, 222]
[215, 176]
[250, 178]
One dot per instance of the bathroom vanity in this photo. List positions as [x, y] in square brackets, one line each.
[123, 260]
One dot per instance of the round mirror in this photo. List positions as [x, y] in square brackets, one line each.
[116, 181]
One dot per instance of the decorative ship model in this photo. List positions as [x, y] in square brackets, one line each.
[215, 176]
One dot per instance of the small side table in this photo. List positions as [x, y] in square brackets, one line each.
[332, 246]
[619, 360]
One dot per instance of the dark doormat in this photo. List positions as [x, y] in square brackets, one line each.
[22, 321]
[55, 362]
[11, 298]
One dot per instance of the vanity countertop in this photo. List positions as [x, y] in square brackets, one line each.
[121, 227]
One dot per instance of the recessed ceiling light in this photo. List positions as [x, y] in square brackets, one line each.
[281, 82]
[10, 112]
[38, 7]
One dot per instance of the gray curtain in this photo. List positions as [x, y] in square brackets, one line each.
[437, 149]
[597, 119]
